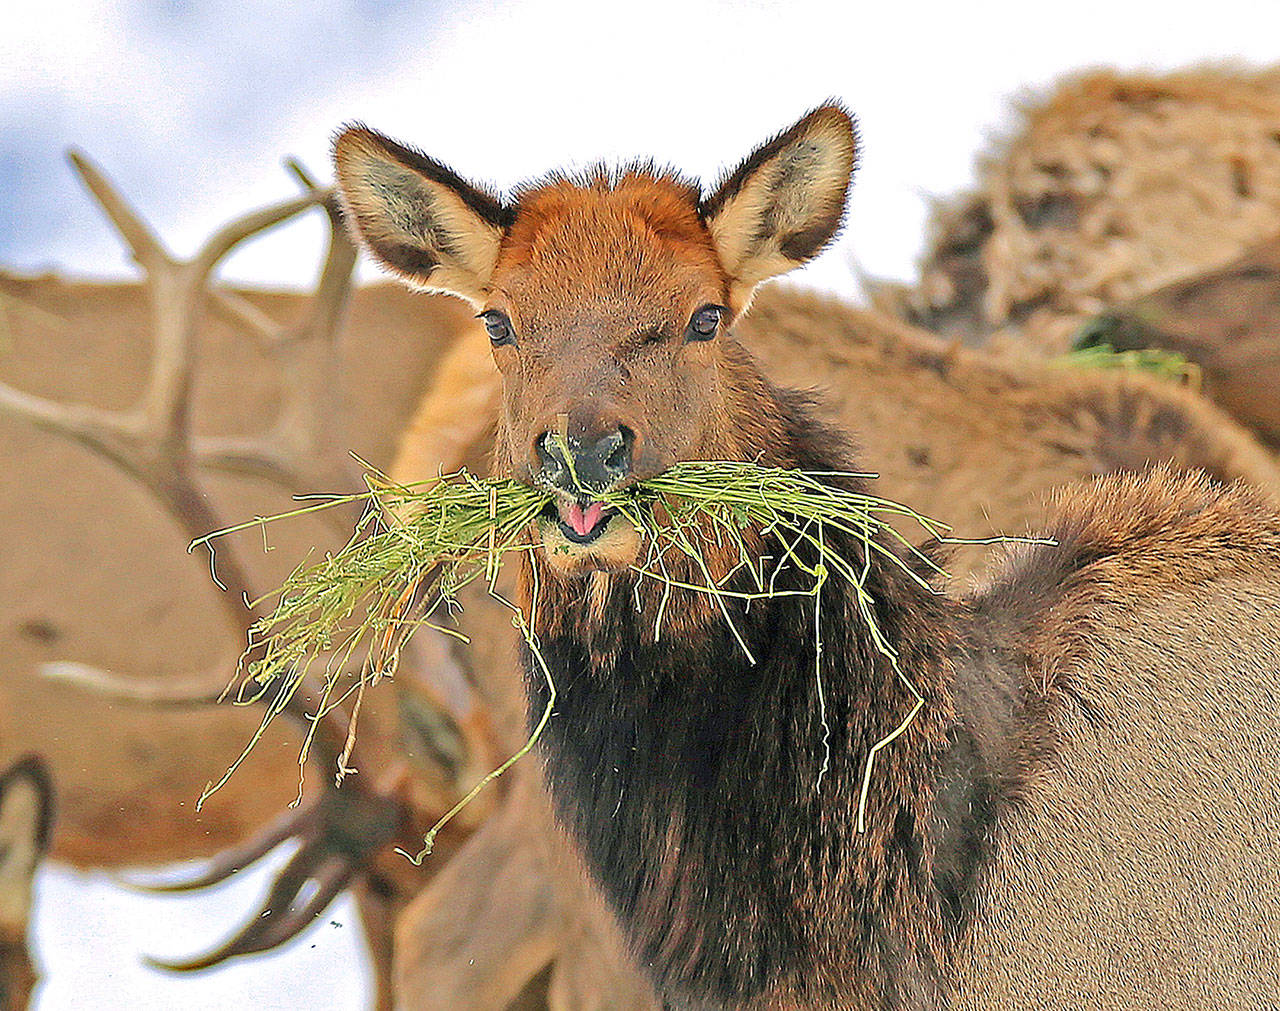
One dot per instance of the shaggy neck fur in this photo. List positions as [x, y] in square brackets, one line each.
[693, 781]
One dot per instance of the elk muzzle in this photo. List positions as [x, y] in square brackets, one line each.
[581, 533]
[584, 467]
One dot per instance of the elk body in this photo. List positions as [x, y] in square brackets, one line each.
[1086, 807]
[1226, 321]
[1109, 187]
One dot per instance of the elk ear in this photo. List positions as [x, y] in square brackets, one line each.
[782, 205]
[418, 217]
[26, 819]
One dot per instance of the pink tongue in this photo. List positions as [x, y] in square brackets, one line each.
[583, 521]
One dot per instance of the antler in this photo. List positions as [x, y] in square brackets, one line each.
[303, 430]
[341, 832]
[155, 445]
[153, 442]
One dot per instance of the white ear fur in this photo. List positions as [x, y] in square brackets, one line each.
[416, 216]
[782, 205]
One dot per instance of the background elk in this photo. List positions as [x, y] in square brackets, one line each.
[1225, 320]
[138, 455]
[1113, 186]
[1031, 838]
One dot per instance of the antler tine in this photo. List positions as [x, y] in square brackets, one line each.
[268, 930]
[339, 833]
[235, 232]
[146, 248]
[178, 693]
[100, 431]
[259, 458]
[230, 862]
[243, 313]
[337, 275]
[302, 175]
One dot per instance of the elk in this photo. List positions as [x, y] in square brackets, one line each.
[1122, 194]
[1084, 810]
[1112, 185]
[962, 437]
[955, 434]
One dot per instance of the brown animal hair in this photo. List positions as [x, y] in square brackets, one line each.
[1111, 185]
[692, 779]
[1225, 320]
[956, 434]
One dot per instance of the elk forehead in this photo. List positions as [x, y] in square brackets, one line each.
[628, 253]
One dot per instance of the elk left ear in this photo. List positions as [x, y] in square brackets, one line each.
[782, 205]
[417, 216]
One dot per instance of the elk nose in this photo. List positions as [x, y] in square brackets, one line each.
[594, 467]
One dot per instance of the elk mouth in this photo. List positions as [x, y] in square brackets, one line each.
[581, 522]
[584, 536]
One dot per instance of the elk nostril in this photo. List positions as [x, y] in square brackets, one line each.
[617, 460]
[550, 460]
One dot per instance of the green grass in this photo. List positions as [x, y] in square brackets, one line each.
[417, 547]
[1168, 365]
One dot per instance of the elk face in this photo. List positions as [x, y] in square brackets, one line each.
[607, 300]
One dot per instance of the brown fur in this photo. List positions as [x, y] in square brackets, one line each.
[955, 434]
[1130, 711]
[1111, 186]
[1226, 321]
[997, 671]
[906, 393]
[132, 784]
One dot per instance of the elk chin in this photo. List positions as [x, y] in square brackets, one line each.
[614, 549]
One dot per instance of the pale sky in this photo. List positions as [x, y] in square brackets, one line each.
[190, 107]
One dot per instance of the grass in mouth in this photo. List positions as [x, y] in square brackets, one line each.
[416, 547]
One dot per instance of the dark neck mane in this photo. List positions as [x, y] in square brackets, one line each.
[694, 782]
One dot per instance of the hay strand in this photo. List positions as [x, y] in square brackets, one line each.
[415, 549]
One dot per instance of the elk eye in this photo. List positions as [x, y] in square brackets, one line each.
[704, 323]
[498, 326]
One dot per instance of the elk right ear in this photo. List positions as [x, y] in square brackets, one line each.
[418, 217]
[782, 205]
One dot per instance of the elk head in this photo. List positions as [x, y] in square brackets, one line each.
[607, 299]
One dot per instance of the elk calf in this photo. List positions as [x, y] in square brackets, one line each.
[1085, 811]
